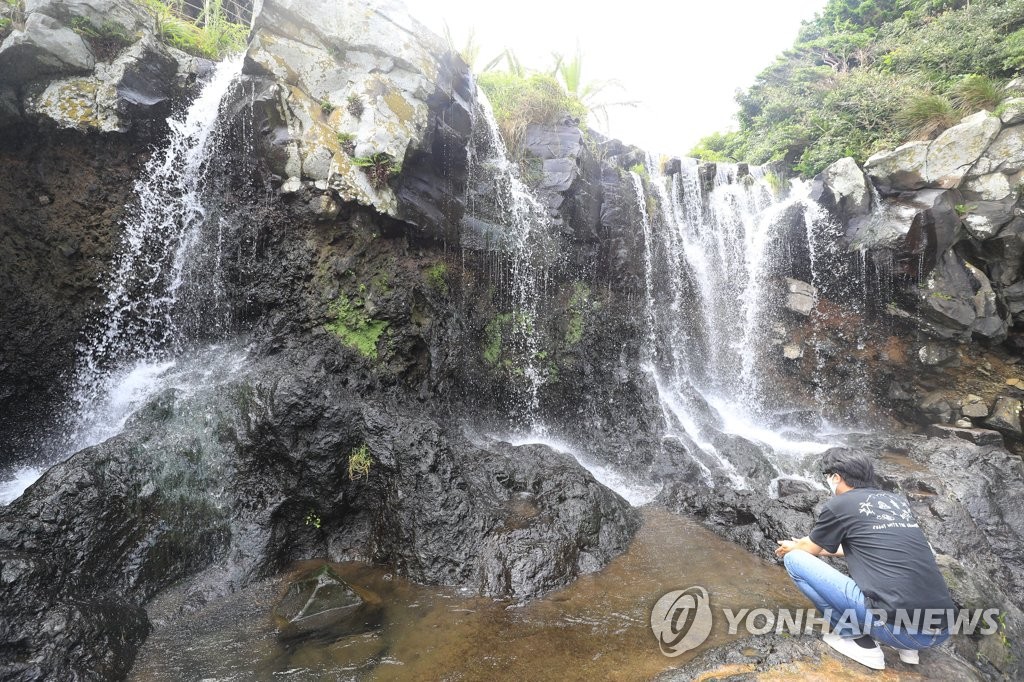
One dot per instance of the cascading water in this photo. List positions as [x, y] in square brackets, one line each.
[165, 279]
[715, 247]
[522, 241]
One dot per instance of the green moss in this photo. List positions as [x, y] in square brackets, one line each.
[354, 327]
[436, 278]
[347, 142]
[493, 336]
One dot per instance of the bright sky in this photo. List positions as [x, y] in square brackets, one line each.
[683, 60]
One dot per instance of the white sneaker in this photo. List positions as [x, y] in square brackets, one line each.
[872, 658]
[909, 656]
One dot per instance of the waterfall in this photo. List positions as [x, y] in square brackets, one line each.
[520, 227]
[165, 279]
[715, 252]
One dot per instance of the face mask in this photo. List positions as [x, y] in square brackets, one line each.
[832, 485]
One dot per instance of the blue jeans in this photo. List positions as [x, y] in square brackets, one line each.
[838, 597]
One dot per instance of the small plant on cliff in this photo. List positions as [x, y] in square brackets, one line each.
[354, 327]
[313, 519]
[354, 104]
[640, 170]
[380, 167]
[326, 106]
[347, 141]
[5, 27]
[436, 278]
[105, 40]
[359, 462]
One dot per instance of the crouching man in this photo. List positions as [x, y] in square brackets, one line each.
[895, 594]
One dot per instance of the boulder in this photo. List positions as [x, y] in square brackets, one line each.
[317, 602]
[44, 48]
[901, 169]
[959, 299]
[974, 406]
[553, 141]
[339, 77]
[794, 486]
[126, 15]
[936, 407]
[951, 155]
[1006, 417]
[801, 297]
[1004, 254]
[990, 187]
[1011, 111]
[1014, 297]
[916, 226]
[844, 190]
[983, 219]
[938, 355]
[1004, 155]
[140, 83]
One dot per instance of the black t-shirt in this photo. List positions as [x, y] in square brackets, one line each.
[887, 553]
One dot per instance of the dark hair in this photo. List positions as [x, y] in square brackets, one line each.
[853, 465]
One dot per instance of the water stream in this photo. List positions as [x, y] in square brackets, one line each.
[164, 283]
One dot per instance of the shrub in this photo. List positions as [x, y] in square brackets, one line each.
[928, 115]
[359, 462]
[518, 101]
[105, 40]
[976, 92]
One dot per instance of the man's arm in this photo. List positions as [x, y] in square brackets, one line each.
[804, 543]
[838, 552]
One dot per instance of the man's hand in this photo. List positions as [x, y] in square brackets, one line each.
[804, 543]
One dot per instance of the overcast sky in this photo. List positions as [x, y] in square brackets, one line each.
[683, 60]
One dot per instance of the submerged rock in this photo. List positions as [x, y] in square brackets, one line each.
[320, 604]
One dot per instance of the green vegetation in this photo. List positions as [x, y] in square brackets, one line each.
[927, 114]
[105, 40]
[640, 170]
[579, 304]
[493, 337]
[313, 519]
[347, 141]
[519, 100]
[5, 27]
[866, 75]
[380, 167]
[326, 106]
[437, 278]
[354, 327]
[355, 106]
[359, 462]
[211, 35]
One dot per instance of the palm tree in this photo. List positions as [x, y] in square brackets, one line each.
[569, 73]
